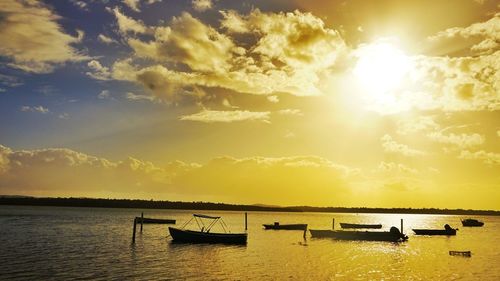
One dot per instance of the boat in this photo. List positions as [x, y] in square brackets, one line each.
[446, 231]
[157, 221]
[472, 222]
[204, 235]
[278, 226]
[356, 225]
[394, 235]
[461, 253]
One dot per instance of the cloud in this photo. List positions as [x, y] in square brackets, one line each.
[273, 99]
[127, 24]
[292, 58]
[105, 39]
[80, 4]
[392, 168]
[64, 172]
[132, 4]
[290, 112]
[32, 39]
[459, 140]
[202, 5]
[38, 109]
[98, 72]
[417, 125]
[10, 81]
[491, 158]
[212, 116]
[488, 32]
[391, 145]
[133, 97]
[104, 95]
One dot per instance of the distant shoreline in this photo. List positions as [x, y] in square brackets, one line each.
[178, 205]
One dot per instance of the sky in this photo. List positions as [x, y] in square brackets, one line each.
[324, 103]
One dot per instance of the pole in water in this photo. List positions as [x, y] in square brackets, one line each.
[133, 233]
[401, 225]
[333, 223]
[246, 221]
[142, 219]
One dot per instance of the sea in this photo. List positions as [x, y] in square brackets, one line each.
[65, 243]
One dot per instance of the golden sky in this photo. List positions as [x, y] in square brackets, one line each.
[324, 103]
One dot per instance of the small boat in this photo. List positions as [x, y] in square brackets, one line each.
[472, 222]
[356, 225]
[394, 235]
[277, 226]
[446, 231]
[204, 235]
[157, 221]
[461, 253]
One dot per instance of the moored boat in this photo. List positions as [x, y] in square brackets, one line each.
[192, 236]
[472, 222]
[152, 220]
[394, 235]
[278, 226]
[357, 225]
[204, 235]
[446, 231]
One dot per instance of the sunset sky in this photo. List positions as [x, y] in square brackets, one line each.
[325, 103]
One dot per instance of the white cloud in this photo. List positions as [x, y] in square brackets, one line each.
[391, 145]
[98, 72]
[273, 99]
[105, 39]
[202, 5]
[132, 4]
[290, 112]
[38, 109]
[127, 24]
[487, 157]
[32, 39]
[188, 53]
[488, 31]
[459, 140]
[104, 95]
[134, 97]
[212, 116]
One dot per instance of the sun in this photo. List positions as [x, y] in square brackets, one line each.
[381, 67]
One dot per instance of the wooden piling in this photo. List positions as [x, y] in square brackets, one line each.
[133, 233]
[333, 223]
[142, 219]
[246, 221]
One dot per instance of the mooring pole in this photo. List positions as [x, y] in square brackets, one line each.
[142, 219]
[133, 233]
[333, 223]
[401, 225]
[246, 221]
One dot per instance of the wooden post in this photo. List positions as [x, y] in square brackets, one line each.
[133, 233]
[246, 221]
[401, 226]
[333, 223]
[142, 219]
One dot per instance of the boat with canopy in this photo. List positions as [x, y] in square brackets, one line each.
[204, 234]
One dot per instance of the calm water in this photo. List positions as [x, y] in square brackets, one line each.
[57, 243]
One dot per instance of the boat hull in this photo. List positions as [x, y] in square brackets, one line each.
[156, 221]
[359, 235]
[355, 225]
[190, 236]
[285, 226]
[435, 231]
[472, 223]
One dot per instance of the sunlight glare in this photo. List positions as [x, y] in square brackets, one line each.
[381, 67]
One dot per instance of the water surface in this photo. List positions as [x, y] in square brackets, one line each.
[60, 243]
